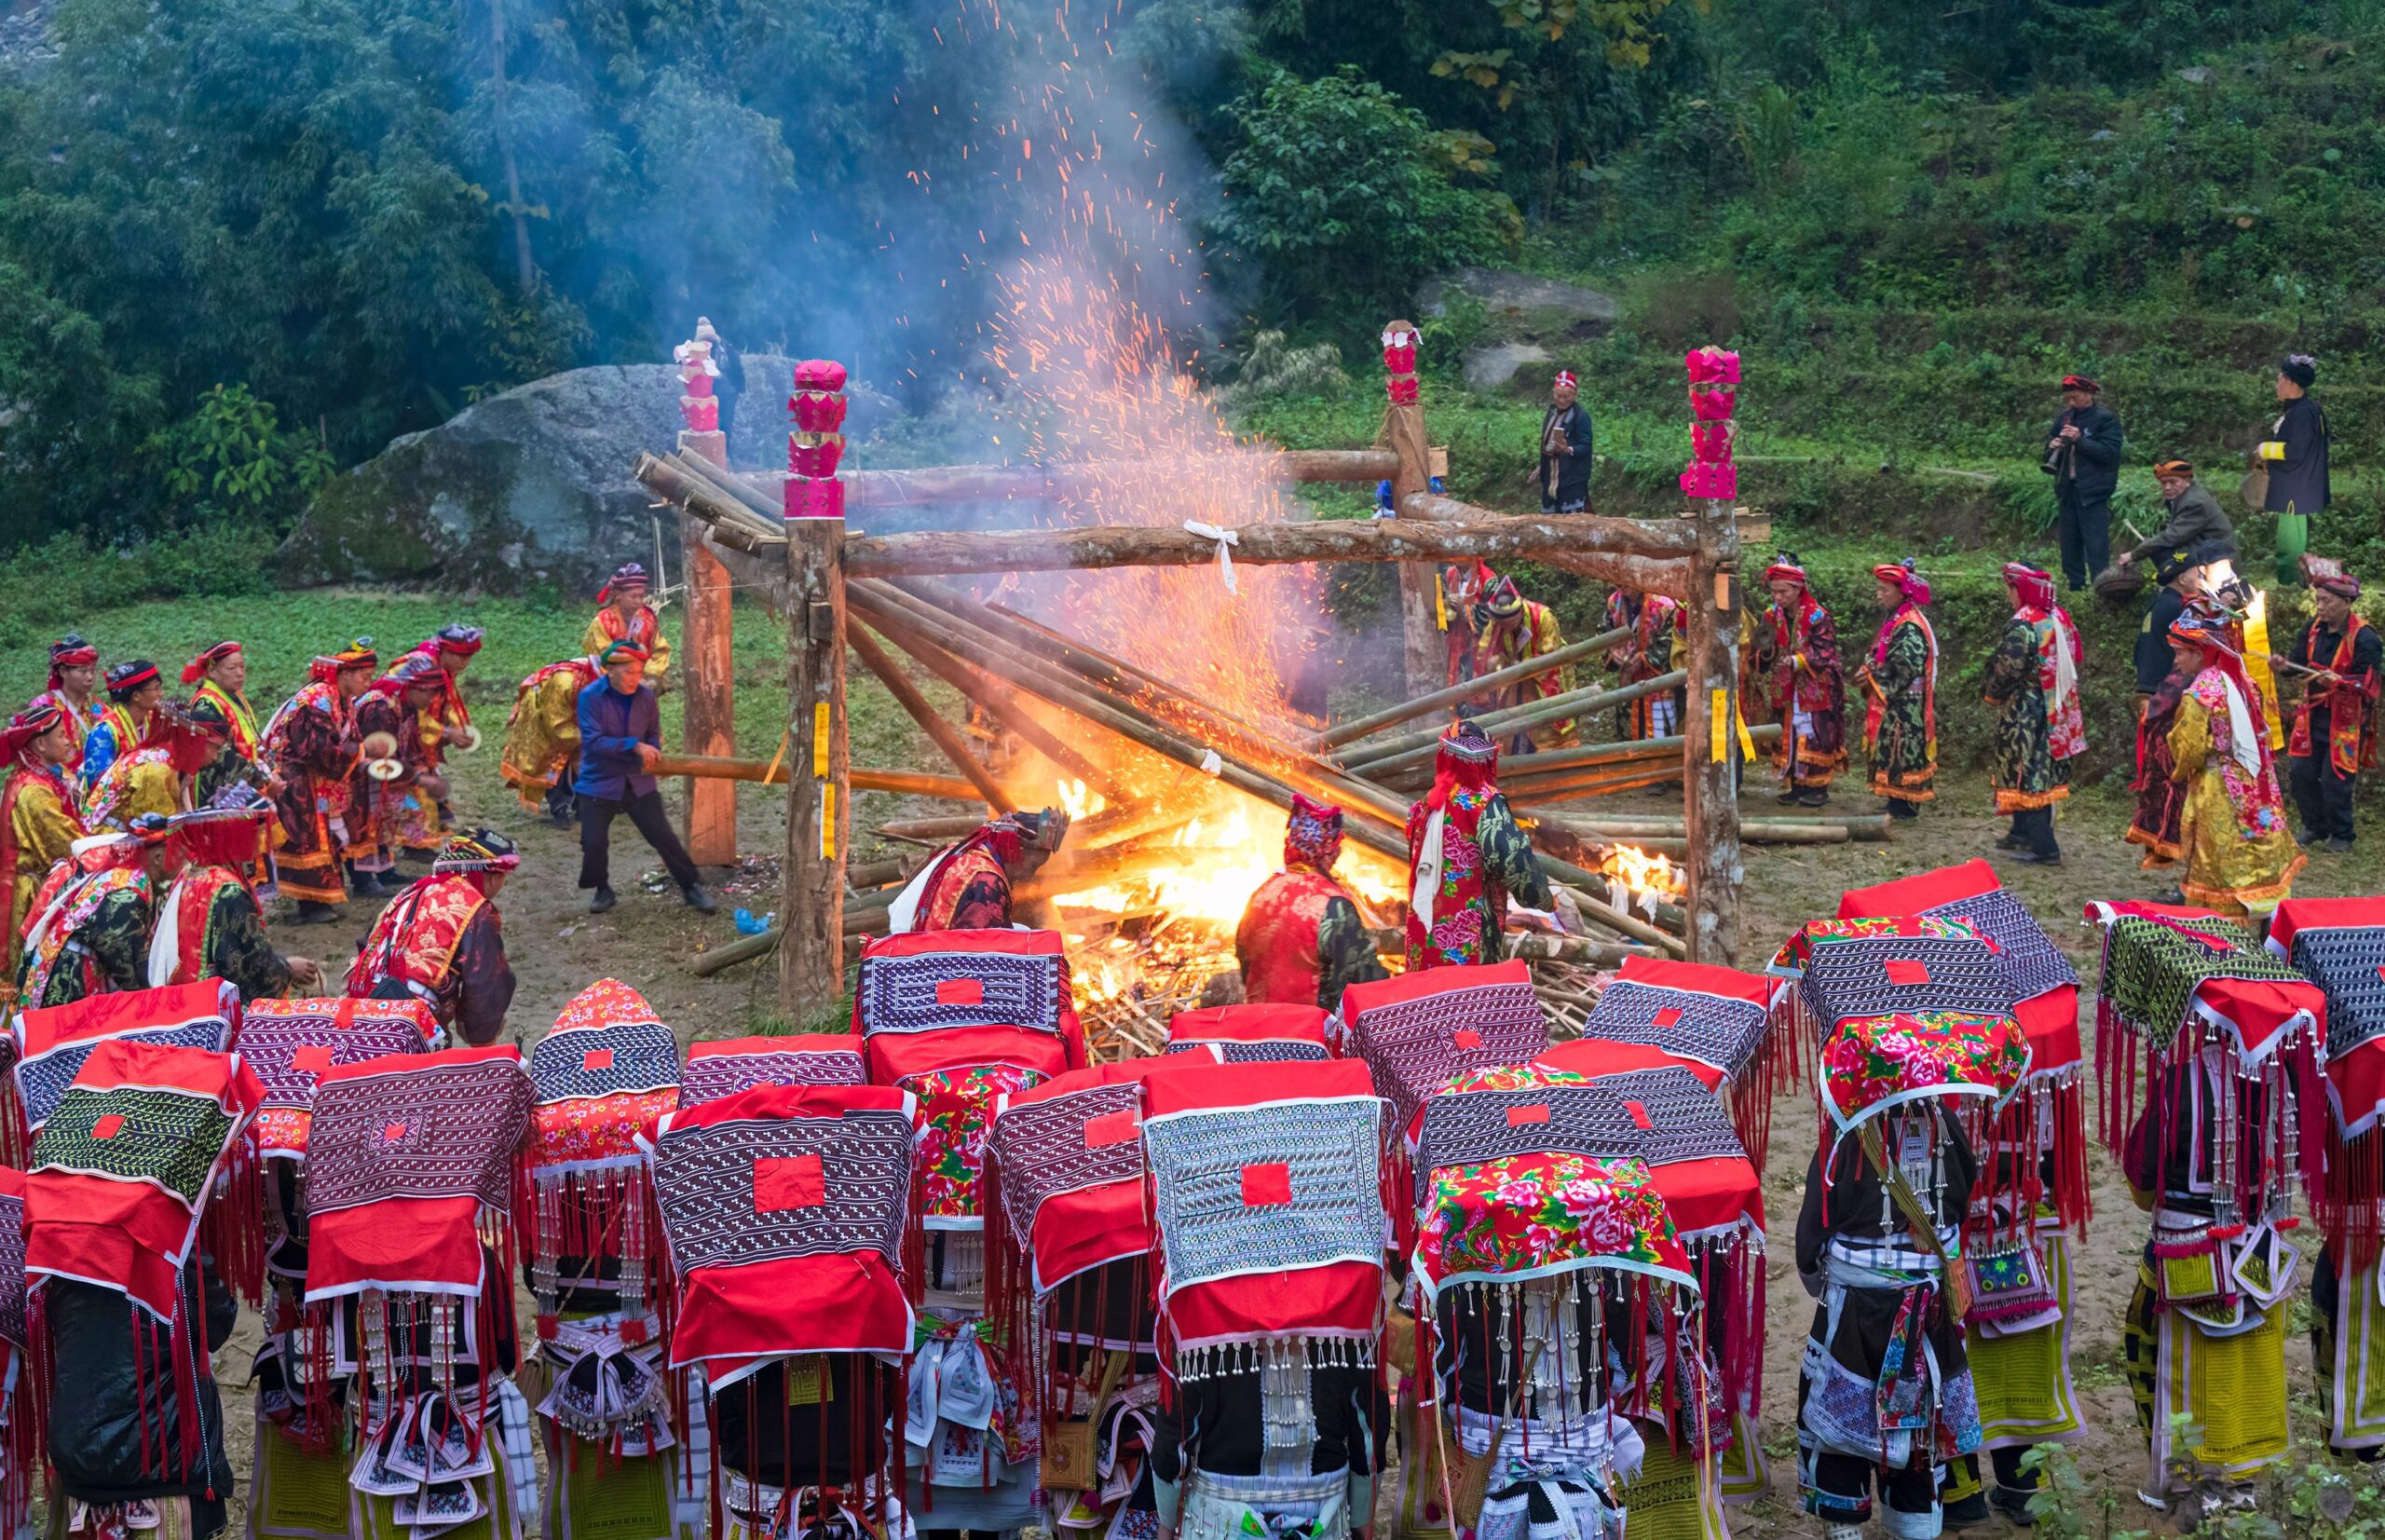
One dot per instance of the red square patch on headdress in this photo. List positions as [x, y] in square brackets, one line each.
[391, 1133]
[1119, 1127]
[1536, 1112]
[1267, 1182]
[105, 1128]
[1466, 1037]
[959, 992]
[1903, 970]
[1669, 1017]
[1639, 1115]
[596, 1058]
[312, 1058]
[788, 1181]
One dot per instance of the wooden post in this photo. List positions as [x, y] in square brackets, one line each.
[819, 804]
[1710, 785]
[707, 689]
[1425, 651]
[812, 960]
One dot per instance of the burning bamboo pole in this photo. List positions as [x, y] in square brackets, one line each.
[930, 720]
[1496, 725]
[1408, 710]
[1634, 829]
[1382, 830]
[951, 788]
[1000, 703]
[1084, 702]
[978, 483]
[929, 829]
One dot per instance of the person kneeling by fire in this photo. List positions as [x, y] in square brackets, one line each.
[970, 886]
[1301, 940]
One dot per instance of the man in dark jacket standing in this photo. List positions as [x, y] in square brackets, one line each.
[2296, 453]
[2194, 517]
[620, 737]
[2083, 457]
[1563, 474]
[2343, 667]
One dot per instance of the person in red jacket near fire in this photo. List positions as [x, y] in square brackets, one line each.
[1301, 940]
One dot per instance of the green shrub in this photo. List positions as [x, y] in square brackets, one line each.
[1341, 196]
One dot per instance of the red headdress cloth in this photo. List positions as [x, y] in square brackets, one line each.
[20, 1418]
[405, 1158]
[52, 1042]
[2045, 990]
[1268, 1194]
[291, 1043]
[961, 1018]
[1416, 1030]
[123, 1171]
[1065, 1164]
[784, 1209]
[722, 1066]
[1243, 1034]
[1525, 1172]
[1711, 1020]
[608, 1070]
[2175, 979]
[2339, 944]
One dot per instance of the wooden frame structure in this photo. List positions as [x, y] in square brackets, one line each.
[815, 567]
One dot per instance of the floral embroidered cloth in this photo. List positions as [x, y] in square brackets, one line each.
[1548, 1211]
[1790, 960]
[1873, 1063]
[956, 1113]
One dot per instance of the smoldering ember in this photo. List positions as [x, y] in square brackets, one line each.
[874, 771]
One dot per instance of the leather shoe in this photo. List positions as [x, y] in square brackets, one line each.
[2038, 858]
[700, 898]
[2339, 846]
[603, 903]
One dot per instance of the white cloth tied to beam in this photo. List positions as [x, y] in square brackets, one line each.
[1227, 539]
[1428, 869]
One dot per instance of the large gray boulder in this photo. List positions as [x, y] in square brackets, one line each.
[529, 487]
[1525, 302]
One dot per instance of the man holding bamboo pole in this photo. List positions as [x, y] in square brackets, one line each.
[620, 737]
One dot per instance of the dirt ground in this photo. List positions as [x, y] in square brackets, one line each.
[558, 948]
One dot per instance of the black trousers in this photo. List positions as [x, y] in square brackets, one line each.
[2084, 526]
[1844, 1485]
[560, 797]
[646, 810]
[2322, 792]
[2035, 827]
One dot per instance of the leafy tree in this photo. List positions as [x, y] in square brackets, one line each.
[1337, 192]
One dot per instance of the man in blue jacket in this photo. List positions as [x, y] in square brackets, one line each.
[2083, 457]
[620, 737]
